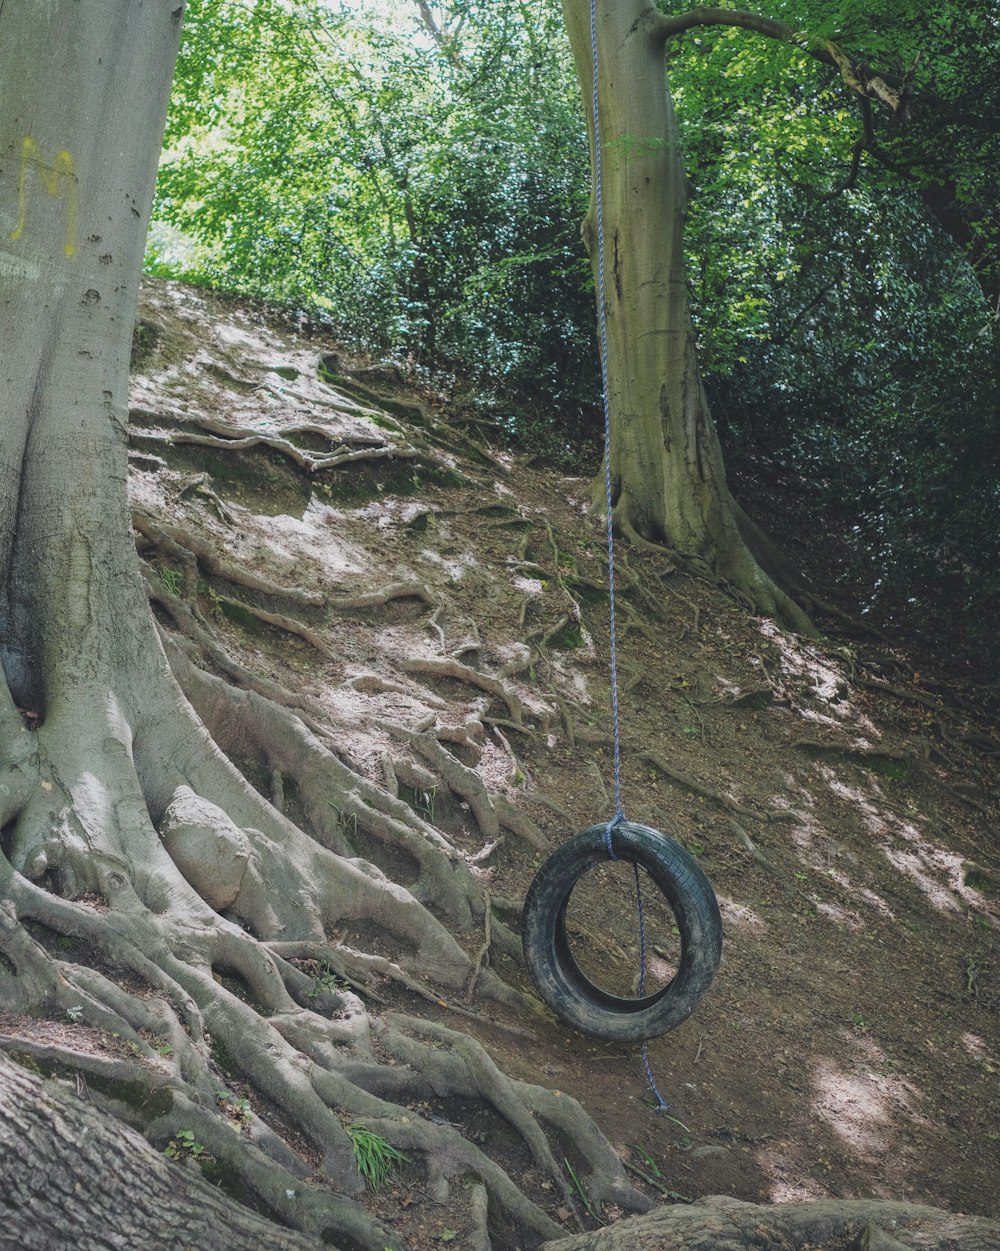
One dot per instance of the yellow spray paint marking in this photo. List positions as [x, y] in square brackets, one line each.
[57, 179]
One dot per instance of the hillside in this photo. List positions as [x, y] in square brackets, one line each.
[433, 607]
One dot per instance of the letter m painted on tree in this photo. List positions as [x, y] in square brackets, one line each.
[58, 180]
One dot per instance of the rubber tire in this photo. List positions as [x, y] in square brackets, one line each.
[560, 981]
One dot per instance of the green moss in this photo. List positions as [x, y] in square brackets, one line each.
[568, 638]
[385, 423]
[242, 617]
[586, 592]
[222, 1057]
[888, 767]
[407, 409]
[267, 483]
[286, 372]
[756, 701]
[981, 880]
[151, 1103]
[496, 510]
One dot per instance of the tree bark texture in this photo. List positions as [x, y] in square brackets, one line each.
[667, 473]
[74, 211]
[723, 1224]
[73, 1177]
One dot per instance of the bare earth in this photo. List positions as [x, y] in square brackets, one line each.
[841, 796]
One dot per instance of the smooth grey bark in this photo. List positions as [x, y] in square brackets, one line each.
[667, 473]
[83, 99]
[723, 1224]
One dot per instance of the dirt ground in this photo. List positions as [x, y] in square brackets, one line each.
[842, 796]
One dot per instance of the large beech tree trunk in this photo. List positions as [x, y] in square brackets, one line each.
[668, 479]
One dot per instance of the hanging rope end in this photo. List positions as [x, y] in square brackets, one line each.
[661, 1107]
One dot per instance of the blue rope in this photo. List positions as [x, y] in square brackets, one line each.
[619, 815]
[603, 321]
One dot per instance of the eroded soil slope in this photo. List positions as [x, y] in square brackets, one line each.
[450, 625]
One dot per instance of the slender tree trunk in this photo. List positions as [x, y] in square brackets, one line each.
[668, 479]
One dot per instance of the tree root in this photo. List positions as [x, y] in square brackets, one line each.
[185, 545]
[281, 622]
[723, 1224]
[723, 801]
[237, 438]
[462, 673]
[186, 621]
[377, 599]
[338, 803]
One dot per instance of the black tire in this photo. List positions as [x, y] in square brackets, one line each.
[561, 983]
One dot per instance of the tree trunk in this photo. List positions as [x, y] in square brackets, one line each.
[75, 628]
[667, 475]
[55, 1148]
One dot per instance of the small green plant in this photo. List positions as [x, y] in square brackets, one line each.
[584, 1198]
[650, 1173]
[184, 1146]
[348, 821]
[374, 1156]
[644, 1155]
[75, 1013]
[425, 803]
[236, 1109]
[171, 579]
[858, 1021]
[324, 982]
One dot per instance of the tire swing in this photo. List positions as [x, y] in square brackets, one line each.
[561, 982]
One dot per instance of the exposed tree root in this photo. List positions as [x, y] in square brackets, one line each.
[342, 810]
[187, 622]
[463, 673]
[722, 1224]
[696, 788]
[376, 599]
[185, 544]
[235, 438]
[281, 622]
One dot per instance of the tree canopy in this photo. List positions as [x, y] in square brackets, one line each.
[418, 178]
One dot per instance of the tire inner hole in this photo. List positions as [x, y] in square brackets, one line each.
[602, 930]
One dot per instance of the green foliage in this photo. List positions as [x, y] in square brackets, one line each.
[845, 314]
[374, 1156]
[184, 1146]
[324, 982]
[423, 192]
[171, 579]
[422, 189]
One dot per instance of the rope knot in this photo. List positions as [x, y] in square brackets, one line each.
[615, 821]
